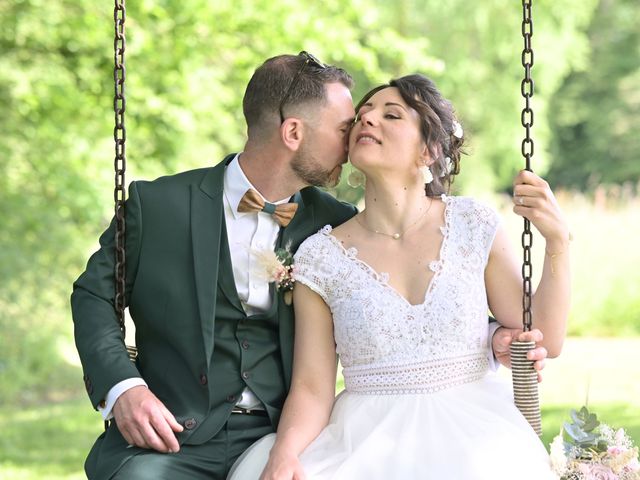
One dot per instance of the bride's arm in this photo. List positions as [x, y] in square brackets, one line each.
[503, 278]
[308, 406]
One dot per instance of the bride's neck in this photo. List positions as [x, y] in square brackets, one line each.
[392, 207]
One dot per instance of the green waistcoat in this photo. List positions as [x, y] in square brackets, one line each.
[246, 352]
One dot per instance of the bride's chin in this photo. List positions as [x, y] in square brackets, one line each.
[357, 160]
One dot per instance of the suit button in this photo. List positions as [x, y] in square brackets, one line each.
[231, 398]
[203, 379]
[245, 375]
[245, 344]
[190, 423]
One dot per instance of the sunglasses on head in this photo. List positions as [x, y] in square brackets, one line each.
[308, 60]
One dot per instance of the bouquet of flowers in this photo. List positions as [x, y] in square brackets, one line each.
[585, 449]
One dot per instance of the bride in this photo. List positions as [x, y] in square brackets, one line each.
[400, 293]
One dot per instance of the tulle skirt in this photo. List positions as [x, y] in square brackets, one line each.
[472, 431]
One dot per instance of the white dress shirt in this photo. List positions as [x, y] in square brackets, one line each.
[246, 232]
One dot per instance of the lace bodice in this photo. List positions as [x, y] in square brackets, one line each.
[388, 345]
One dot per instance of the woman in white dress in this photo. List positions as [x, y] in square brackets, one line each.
[401, 294]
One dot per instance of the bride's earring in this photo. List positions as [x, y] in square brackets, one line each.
[355, 178]
[427, 176]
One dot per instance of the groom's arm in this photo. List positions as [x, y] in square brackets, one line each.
[102, 351]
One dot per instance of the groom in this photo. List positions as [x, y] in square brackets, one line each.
[214, 338]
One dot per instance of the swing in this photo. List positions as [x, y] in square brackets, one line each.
[525, 384]
[524, 376]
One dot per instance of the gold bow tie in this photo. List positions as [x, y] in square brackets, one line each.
[251, 201]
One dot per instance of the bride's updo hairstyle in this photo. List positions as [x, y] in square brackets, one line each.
[440, 129]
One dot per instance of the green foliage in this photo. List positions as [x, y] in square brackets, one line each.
[582, 431]
[595, 114]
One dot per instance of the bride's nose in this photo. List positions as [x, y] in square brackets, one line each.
[366, 118]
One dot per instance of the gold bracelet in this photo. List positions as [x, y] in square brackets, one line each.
[553, 256]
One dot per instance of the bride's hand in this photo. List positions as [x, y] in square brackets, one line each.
[534, 200]
[503, 337]
[282, 466]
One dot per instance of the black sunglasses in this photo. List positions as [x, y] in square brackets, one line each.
[308, 60]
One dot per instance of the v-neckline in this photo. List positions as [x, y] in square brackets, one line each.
[382, 278]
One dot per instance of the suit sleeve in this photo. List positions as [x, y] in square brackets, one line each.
[104, 358]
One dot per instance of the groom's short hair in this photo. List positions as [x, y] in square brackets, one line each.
[271, 81]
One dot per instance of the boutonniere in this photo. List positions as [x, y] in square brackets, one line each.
[278, 267]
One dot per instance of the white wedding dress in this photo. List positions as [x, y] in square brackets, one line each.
[419, 399]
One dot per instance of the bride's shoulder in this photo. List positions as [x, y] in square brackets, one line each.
[320, 238]
[465, 205]
[472, 213]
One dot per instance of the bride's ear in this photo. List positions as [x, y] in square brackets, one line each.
[425, 155]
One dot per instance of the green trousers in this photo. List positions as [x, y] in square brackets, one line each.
[210, 460]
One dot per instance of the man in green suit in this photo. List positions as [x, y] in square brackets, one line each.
[214, 338]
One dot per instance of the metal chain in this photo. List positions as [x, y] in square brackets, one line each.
[120, 163]
[526, 88]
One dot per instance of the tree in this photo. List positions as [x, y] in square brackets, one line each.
[595, 114]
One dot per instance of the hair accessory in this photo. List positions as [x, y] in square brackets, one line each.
[355, 179]
[427, 176]
[457, 129]
[448, 167]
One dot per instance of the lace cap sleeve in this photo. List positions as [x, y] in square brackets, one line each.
[489, 222]
[312, 263]
[479, 224]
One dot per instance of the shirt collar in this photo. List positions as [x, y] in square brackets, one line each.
[236, 184]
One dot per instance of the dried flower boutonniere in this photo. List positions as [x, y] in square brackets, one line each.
[278, 267]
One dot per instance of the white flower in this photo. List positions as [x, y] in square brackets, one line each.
[268, 265]
[448, 167]
[557, 456]
[457, 129]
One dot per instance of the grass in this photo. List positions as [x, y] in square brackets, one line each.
[47, 442]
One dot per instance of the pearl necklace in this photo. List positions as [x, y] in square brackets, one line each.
[397, 235]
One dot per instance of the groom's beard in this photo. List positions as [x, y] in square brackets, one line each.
[311, 172]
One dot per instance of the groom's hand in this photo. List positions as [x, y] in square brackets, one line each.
[503, 337]
[145, 422]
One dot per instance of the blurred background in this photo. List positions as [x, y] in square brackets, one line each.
[188, 62]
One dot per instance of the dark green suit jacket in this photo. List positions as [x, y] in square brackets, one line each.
[173, 242]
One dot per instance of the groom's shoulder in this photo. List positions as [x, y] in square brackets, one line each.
[327, 208]
[175, 180]
[179, 184]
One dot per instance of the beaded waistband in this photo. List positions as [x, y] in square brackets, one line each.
[420, 377]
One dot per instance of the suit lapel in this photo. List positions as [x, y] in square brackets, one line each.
[301, 226]
[226, 279]
[207, 218]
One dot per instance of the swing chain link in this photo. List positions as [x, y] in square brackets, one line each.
[526, 118]
[119, 135]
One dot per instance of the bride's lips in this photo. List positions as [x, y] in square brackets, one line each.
[366, 137]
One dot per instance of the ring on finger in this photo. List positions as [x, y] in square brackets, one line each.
[521, 200]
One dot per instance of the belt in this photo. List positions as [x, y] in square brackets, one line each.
[255, 412]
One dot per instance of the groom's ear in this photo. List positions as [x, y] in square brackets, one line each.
[292, 133]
